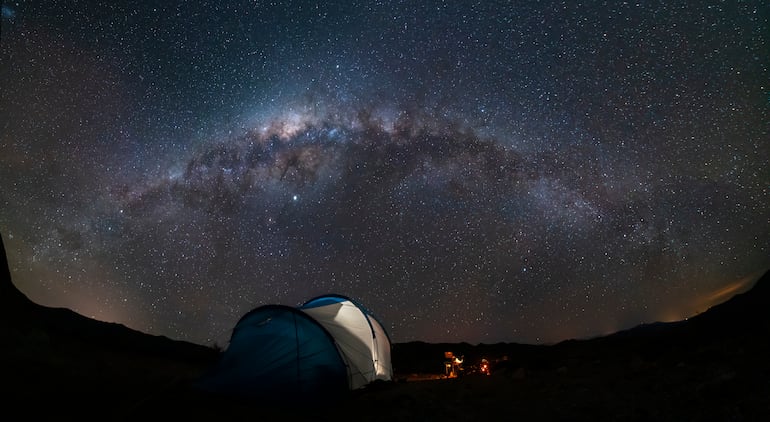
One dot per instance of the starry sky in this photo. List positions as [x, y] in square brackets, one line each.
[470, 171]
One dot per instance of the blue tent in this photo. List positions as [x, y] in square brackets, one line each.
[325, 347]
[279, 352]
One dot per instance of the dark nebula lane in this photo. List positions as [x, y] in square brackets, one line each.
[477, 172]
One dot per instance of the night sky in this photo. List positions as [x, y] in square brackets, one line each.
[477, 171]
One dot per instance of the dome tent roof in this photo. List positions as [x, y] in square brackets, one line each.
[329, 345]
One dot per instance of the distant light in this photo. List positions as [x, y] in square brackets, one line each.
[295, 198]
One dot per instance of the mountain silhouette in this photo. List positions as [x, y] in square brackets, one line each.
[12, 300]
[69, 359]
[20, 312]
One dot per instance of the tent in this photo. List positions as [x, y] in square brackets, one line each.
[363, 343]
[319, 350]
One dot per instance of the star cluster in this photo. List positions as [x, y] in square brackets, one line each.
[470, 171]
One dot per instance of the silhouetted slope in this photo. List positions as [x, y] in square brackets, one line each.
[19, 311]
[11, 299]
[69, 360]
[748, 311]
[742, 320]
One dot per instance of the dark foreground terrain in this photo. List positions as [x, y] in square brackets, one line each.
[715, 366]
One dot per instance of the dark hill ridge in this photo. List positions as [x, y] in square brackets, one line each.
[69, 359]
[710, 367]
[744, 317]
[744, 313]
[20, 312]
[11, 299]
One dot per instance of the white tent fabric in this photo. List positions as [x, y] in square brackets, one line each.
[362, 341]
[383, 369]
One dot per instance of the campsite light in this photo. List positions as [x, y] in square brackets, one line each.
[484, 367]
